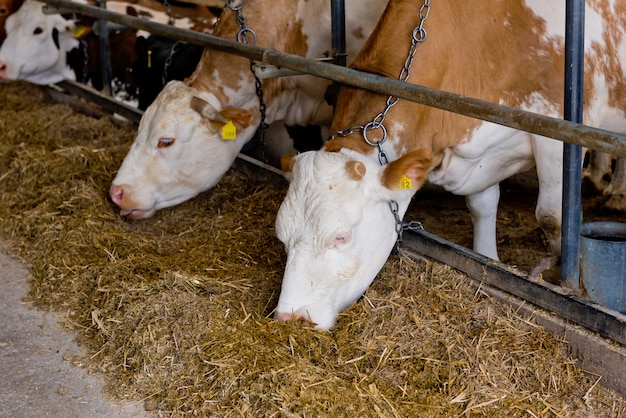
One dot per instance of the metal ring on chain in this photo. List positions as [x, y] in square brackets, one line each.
[232, 4]
[419, 35]
[242, 36]
[370, 126]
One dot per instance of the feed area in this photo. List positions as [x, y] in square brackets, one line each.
[175, 311]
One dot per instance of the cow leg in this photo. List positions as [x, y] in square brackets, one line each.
[598, 169]
[483, 207]
[549, 212]
[617, 188]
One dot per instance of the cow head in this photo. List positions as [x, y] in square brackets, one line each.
[338, 228]
[36, 46]
[179, 151]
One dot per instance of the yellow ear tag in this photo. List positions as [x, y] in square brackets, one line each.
[229, 131]
[149, 58]
[405, 182]
[79, 31]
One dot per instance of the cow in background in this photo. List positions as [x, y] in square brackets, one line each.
[86, 60]
[36, 46]
[339, 218]
[607, 174]
[160, 60]
[180, 149]
[45, 49]
[7, 8]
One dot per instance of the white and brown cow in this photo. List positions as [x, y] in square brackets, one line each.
[179, 151]
[36, 46]
[336, 221]
[45, 49]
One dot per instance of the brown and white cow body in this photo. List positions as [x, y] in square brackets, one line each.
[179, 151]
[336, 221]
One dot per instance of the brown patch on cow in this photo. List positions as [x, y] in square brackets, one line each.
[415, 165]
[355, 169]
[334, 145]
[358, 33]
[605, 58]
[233, 71]
[286, 162]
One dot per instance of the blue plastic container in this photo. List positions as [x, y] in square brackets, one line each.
[603, 263]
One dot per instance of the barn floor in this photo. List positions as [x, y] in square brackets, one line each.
[36, 380]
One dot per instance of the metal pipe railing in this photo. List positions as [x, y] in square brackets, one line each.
[566, 131]
[572, 154]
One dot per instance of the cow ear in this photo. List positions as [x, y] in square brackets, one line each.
[240, 117]
[409, 171]
[287, 162]
[215, 120]
[206, 109]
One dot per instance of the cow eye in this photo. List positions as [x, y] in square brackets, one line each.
[37, 30]
[165, 142]
[342, 239]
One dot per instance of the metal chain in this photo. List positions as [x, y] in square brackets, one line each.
[247, 36]
[402, 226]
[83, 47]
[418, 36]
[168, 61]
[170, 17]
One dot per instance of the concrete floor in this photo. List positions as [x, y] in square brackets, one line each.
[35, 381]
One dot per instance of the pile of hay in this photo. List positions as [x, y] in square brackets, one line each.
[175, 311]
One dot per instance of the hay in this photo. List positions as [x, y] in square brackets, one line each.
[175, 311]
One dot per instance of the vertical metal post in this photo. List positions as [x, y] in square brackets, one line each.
[572, 154]
[105, 56]
[338, 31]
[338, 40]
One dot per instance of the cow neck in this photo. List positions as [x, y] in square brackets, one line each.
[366, 131]
[418, 36]
[247, 36]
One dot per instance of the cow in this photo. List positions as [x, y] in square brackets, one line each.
[159, 60]
[606, 174]
[179, 151]
[86, 60]
[46, 49]
[7, 8]
[339, 217]
[34, 44]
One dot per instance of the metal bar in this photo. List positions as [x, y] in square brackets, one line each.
[105, 54]
[106, 102]
[599, 139]
[572, 154]
[338, 31]
[553, 298]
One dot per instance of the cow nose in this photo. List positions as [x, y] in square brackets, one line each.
[285, 317]
[116, 193]
[3, 70]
